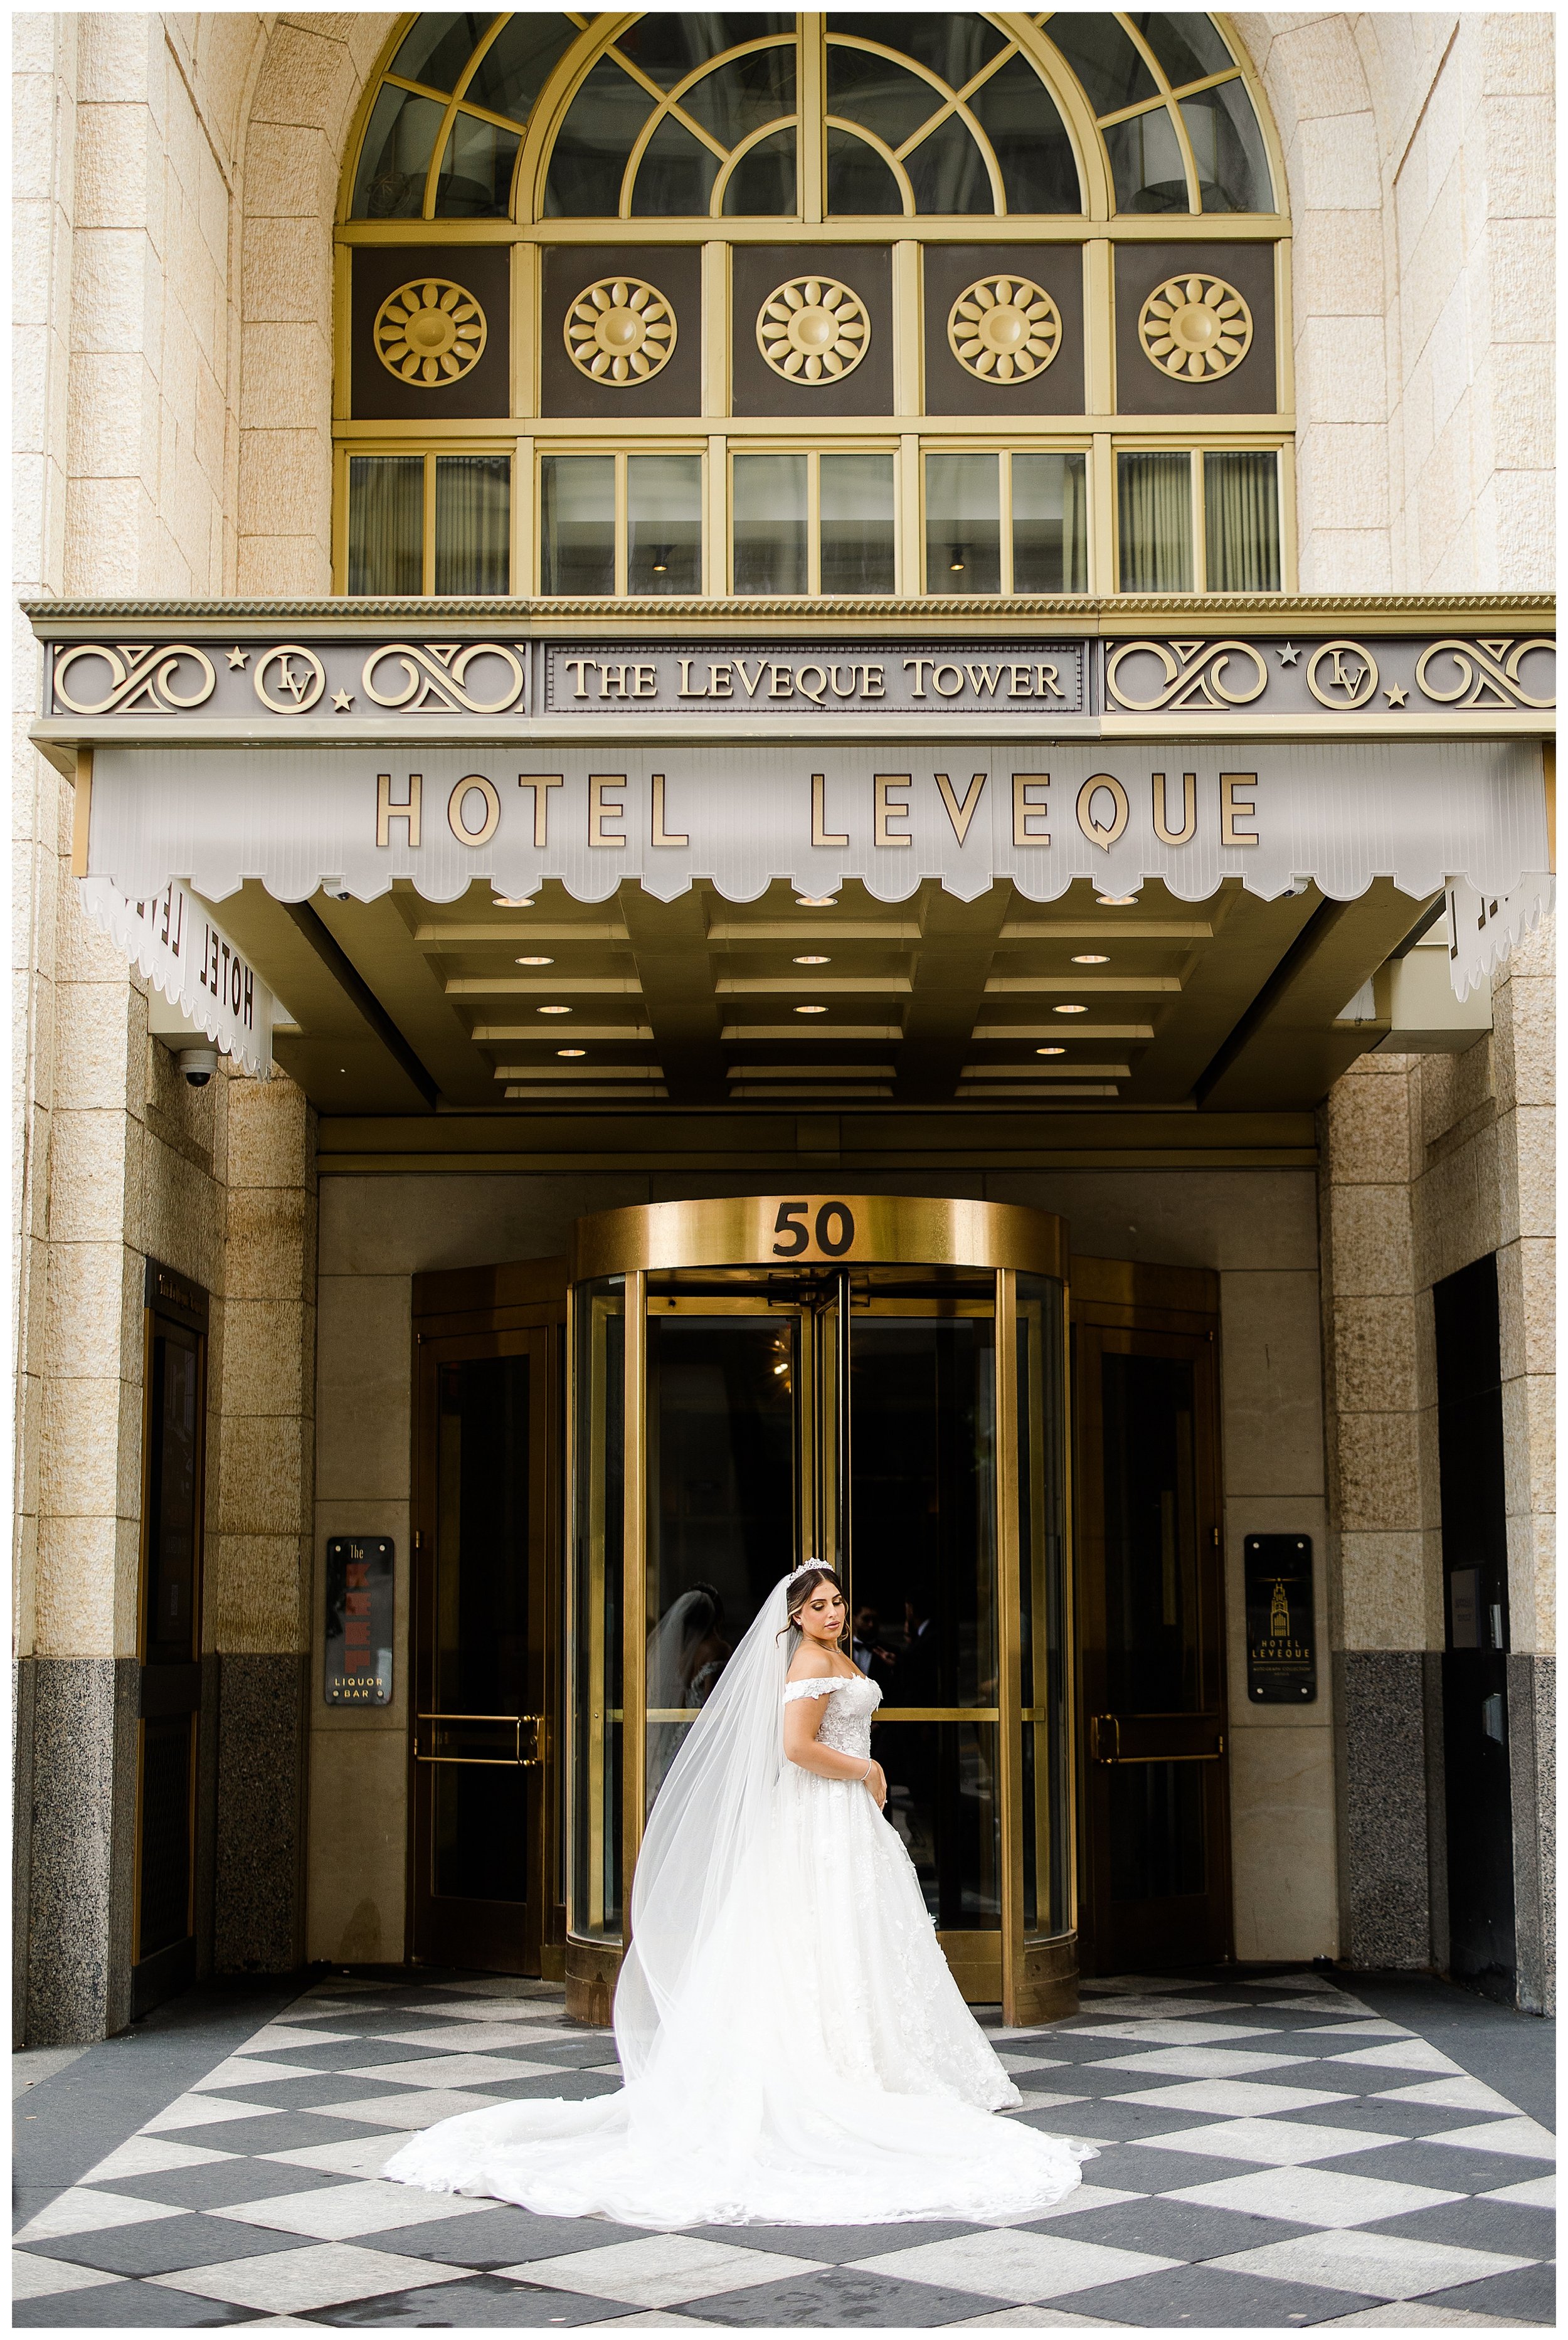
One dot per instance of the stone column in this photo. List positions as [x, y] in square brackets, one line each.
[256, 1620]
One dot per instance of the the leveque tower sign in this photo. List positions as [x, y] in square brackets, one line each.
[786, 787]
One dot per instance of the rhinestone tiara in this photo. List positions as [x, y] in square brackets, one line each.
[807, 1565]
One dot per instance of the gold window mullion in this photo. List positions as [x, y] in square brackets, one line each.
[813, 521]
[1199, 532]
[1005, 519]
[622, 525]
[908, 532]
[524, 524]
[812, 148]
[427, 566]
[1103, 576]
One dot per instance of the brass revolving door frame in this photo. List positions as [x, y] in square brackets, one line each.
[828, 1237]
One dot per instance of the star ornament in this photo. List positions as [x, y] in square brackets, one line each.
[343, 700]
[237, 658]
[1395, 696]
[1289, 655]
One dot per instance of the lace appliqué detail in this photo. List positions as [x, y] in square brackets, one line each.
[823, 1689]
[847, 1725]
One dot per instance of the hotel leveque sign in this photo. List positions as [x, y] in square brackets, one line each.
[356, 745]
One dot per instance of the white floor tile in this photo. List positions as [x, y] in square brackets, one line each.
[250, 2072]
[1018, 2060]
[1165, 2010]
[1521, 2136]
[482, 2038]
[355, 2156]
[1390, 2266]
[1310, 2196]
[1400, 2055]
[1309, 2003]
[1161, 2033]
[1370, 2027]
[147, 2156]
[661, 2270]
[91, 2210]
[290, 2035]
[202, 2112]
[411, 2108]
[1460, 2094]
[1089, 2198]
[1201, 2063]
[1422, 2316]
[343, 2213]
[1239, 2096]
[447, 2071]
[484, 2011]
[1133, 1986]
[1037, 2100]
[1535, 2194]
[1276, 2141]
[39, 2278]
[647, 2319]
[1034, 2319]
[1021, 2268]
[319, 2275]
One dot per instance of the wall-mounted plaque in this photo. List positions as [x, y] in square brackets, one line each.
[1281, 1637]
[359, 1622]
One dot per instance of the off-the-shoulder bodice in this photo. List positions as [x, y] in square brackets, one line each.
[847, 1724]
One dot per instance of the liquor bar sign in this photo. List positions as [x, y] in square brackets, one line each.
[359, 1622]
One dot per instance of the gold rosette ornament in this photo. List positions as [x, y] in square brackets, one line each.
[430, 332]
[813, 329]
[1195, 328]
[620, 331]
[1004, 329]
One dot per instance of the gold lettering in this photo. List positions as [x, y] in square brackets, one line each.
[475, 783]
[1099, 833]
[961, 815]
[1162, 830]
[686, 691]
[1233, 808]
[1027, 809]
[644, 682]
[602, 808]
[820, 832]
[541, 783]
[661, 835]
[388, 809]
[891, 808]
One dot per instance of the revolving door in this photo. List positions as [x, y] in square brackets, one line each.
[878, 1382]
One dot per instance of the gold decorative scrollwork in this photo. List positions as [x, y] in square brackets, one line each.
[430, 332]
[1488, 672]
[1195, 328]
[1004, 329]
[813, 330]
[141, 675]
[434, 674]
[620, 331]
[1352, 678]
[1195, 675]
[286, 687]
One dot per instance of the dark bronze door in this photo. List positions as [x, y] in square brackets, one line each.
[163, 1916]
[487, 1497]
[1151, 1617]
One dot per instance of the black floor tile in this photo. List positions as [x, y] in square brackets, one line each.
[1412, 2121]
[465, 2306]
[330, 2088]
[842, 2298]
[1512, 2228]
[1150, 2169]
[1455, 2169]
[1529, 2292]
[215, 2185]
[1213, 2298]
[1121, 2123]
[279, 2132]
[165, 2246]
[567, 2083]
[501, 2237]
[1174, 2230]
[349, 2055]
[113, 2307]
[841, 2246]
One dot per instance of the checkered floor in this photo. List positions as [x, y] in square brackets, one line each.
[1271, 2153]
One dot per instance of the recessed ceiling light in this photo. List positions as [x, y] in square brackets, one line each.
[1075, 1008]
[813, 959]
[810, 1011]
[555, 1011]
[1050, 1052]
[816, 901]
[1117, 901]
[515, 901]
[571, 1052]
[534, 961]
[1080, 959]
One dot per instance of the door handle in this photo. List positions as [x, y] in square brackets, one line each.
[1114, 1755]
[516, 1723]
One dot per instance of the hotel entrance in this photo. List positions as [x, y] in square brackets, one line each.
[879, 1382]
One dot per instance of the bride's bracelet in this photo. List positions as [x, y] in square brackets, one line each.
[865, 1774]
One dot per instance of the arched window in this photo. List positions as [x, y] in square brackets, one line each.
[810, 306]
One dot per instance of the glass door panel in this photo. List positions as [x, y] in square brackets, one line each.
[923, 1591]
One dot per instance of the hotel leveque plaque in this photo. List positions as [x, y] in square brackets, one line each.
[1281, 1640]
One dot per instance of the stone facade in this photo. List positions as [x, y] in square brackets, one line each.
[176, 182]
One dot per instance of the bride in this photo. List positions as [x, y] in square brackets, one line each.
[795, 2049]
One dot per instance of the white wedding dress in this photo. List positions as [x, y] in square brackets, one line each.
[795, 2048]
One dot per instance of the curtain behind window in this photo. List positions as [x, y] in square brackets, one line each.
[1241, 523]
[1154, 523]
[472, 523]
[386, 523]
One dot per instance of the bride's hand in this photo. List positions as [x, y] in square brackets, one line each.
[876, 1781]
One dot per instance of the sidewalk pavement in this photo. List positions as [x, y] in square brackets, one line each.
[1276, 2149]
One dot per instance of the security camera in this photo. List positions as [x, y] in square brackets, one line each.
[198, 1064]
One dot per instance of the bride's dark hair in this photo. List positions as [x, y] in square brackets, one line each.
[801, 1588]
